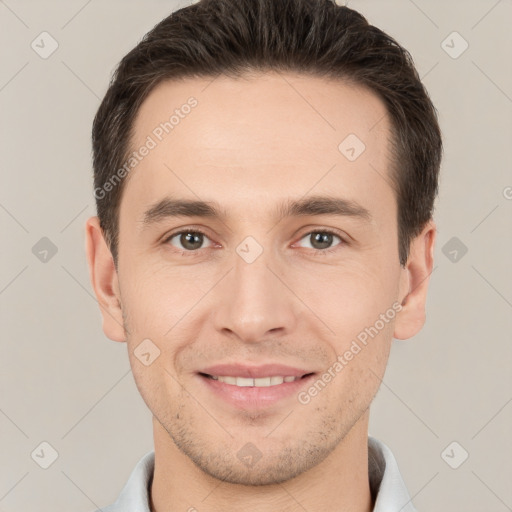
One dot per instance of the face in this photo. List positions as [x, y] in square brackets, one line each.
[258, 250]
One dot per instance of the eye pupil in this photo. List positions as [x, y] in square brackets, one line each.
[323, 239]
[191, 241]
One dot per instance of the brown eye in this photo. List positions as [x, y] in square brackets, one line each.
[321, 240]
[187, 240]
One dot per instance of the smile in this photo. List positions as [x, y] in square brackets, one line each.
[262, 382]
[255, 387]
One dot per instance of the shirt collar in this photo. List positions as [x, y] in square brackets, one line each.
[386, 484]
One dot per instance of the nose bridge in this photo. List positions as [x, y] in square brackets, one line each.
[254, 302]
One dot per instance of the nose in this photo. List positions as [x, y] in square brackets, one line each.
[254, 302]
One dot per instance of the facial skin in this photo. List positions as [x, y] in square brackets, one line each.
[249, 145]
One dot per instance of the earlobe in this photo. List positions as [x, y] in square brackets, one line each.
[414, 284]
[104, 280]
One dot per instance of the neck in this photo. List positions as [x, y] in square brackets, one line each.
[340, 482]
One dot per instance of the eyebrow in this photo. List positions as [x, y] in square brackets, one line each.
[309, 206]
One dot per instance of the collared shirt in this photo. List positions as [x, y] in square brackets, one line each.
[386, 483]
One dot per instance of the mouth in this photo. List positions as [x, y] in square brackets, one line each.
[259, 382]
[254, 387]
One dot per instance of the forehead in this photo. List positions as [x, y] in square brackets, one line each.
[248, 139]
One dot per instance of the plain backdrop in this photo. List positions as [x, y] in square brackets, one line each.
[62, 382]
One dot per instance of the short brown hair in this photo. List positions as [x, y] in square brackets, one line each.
[315, 37]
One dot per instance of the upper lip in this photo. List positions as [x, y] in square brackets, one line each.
[255, 372]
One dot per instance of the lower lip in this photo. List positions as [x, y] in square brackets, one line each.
[252, 397]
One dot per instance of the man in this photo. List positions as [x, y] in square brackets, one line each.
[265, 174]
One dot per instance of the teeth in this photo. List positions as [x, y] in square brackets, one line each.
[262, 382]
[243, 382]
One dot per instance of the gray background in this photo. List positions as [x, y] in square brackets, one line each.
[63, 382]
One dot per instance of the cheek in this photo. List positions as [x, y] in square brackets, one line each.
[348, 297]
[356, 304]
[155, 383]
[358, 370]
[156, 297]
[160, 306]
[145, 375]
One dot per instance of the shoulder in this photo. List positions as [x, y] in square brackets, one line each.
[135, 494]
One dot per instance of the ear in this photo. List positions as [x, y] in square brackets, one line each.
[104, 280]
[413, 285]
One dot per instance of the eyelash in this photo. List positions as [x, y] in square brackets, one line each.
[193, 253]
